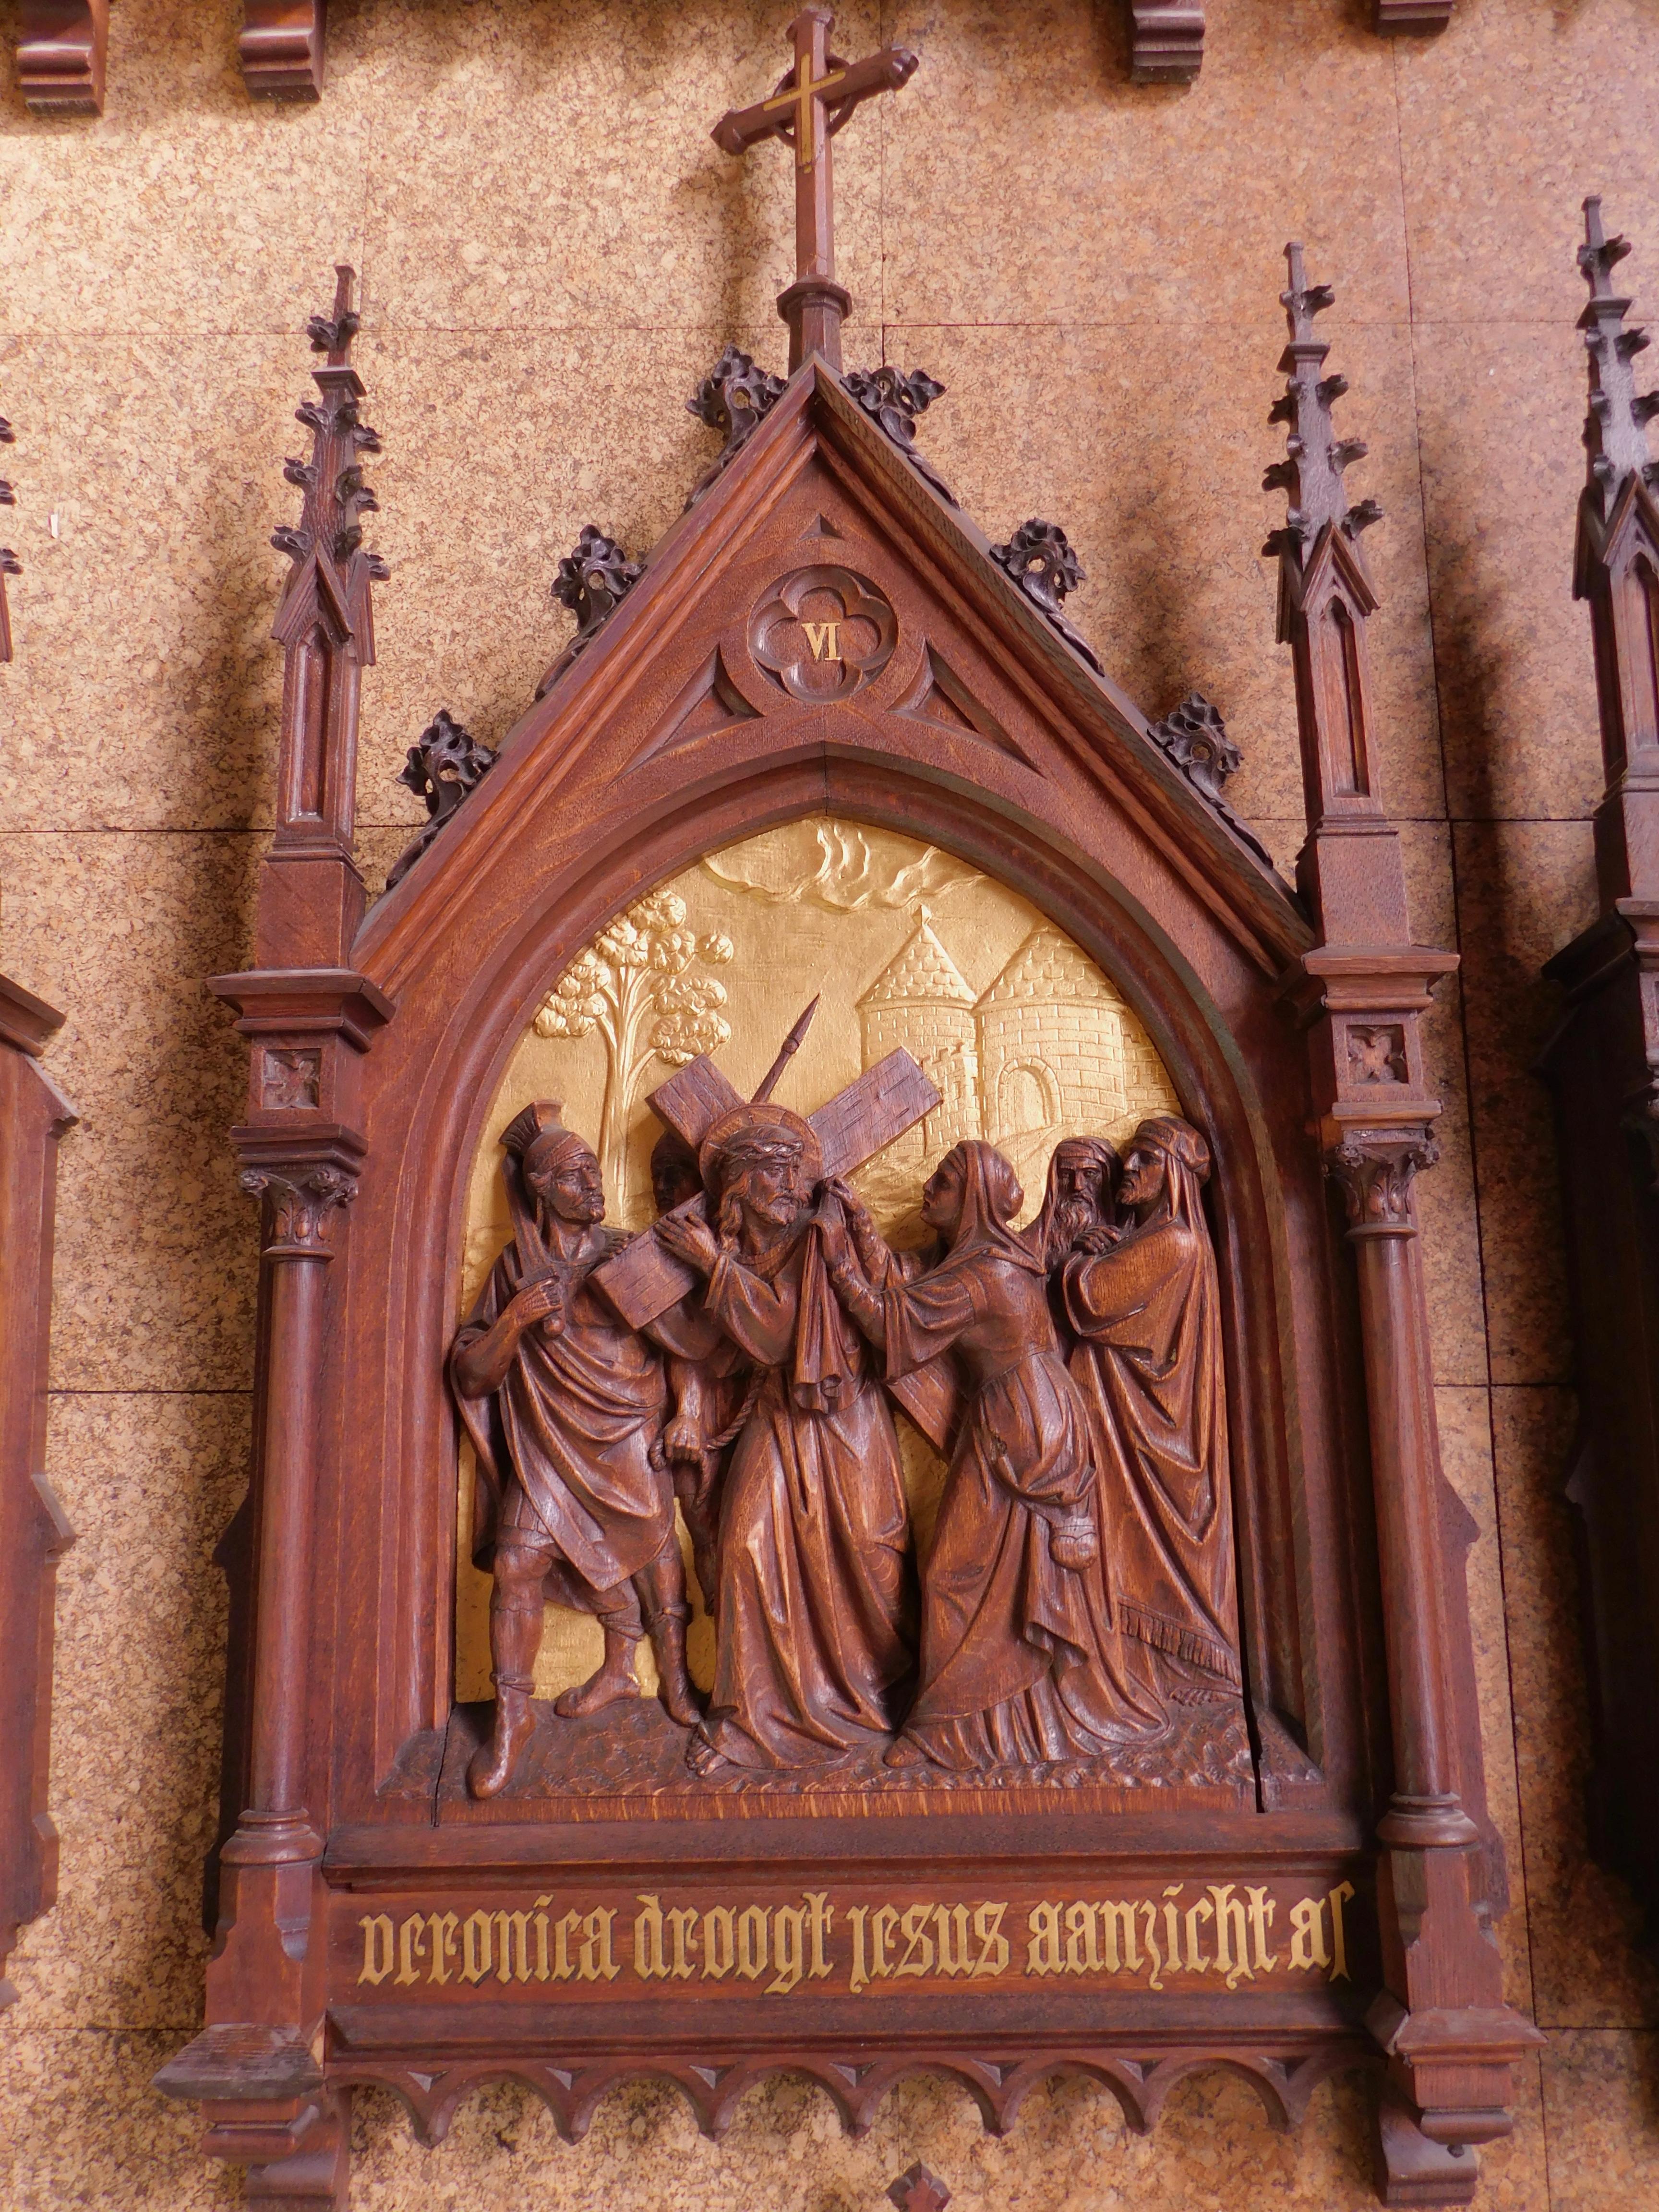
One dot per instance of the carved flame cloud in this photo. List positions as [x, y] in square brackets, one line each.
[838, 866]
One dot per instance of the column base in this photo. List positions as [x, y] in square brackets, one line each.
[1411, 2167]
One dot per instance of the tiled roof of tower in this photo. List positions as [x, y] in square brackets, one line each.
[1047, 966]
[921, 973]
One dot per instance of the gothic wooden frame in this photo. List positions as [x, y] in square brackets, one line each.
[1351, 1544]
[33, 1534]
[1602, 1065]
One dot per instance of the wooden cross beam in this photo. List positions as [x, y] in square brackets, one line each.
[810, 104]
[644, 1280]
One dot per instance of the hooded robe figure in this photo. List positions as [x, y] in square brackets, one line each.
[1020, 1663]
[1146, 1316]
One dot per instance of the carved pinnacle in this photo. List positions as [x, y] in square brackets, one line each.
[333, 480]
[1615, 428]
[1311, 474]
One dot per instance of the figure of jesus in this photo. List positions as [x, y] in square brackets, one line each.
[1020, 1662]
[813, 1550]
[564, 1405]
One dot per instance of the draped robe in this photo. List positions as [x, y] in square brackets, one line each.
[1148, 1359]
[564, 1445]
[814, 1571]
[1019, 1660]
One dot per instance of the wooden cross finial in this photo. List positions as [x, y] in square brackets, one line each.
[813, 99]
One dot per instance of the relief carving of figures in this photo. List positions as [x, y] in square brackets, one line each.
[1029, 1574]
[1143, 1305]
[813, 1566]
[1020, 1664]
[564, 1405]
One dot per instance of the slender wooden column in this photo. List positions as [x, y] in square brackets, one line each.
[309, 1019]
[302, 1199]
[1361, 995]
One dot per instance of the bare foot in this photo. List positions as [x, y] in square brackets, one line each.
[903, 1752]
[490, 1768]
[702, 1759]
[599, 1690]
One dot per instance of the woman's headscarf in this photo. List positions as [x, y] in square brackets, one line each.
[991, 1197]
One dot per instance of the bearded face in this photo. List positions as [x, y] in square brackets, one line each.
[766, 1188]
[1083, 1197]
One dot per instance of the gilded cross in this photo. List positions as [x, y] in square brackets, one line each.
[812, 101]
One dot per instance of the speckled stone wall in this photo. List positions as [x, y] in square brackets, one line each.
[553, 252]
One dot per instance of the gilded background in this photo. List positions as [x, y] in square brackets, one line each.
[553, 255]
[901, 945]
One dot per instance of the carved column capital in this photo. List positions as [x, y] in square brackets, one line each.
[303, 1203]
[1374, 1170]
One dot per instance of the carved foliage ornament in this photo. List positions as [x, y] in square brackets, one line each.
[445, 765]
[732, 399]
[1196, 739]
[302, 1205]
[1374, 1170]
[1040, 559]
[894, 401]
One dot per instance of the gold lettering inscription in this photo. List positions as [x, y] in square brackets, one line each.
[377, 1946]
[1190, 1929]
[824, 639]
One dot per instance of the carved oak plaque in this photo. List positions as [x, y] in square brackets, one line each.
[846, 1413]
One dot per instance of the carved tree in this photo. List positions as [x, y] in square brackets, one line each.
[634, 985]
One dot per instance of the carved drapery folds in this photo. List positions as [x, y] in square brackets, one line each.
[1040, 559]
[445, 764]
[1602, 1065]
[281, 48]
